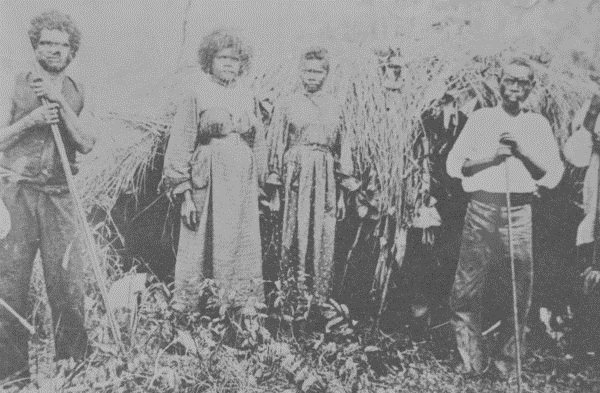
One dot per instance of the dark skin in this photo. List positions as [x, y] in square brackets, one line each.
[313, 73]
[189, 214]
[226, 66]
[592, 114]
[591, 278]
[516, 83]
[53, 54]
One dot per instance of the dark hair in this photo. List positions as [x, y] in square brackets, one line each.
[54, 20]
[218, 40]
[317, 53]
[519, 61]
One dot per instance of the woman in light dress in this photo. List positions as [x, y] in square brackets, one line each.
[209, 164]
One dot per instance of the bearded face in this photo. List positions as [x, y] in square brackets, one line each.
[53, 51]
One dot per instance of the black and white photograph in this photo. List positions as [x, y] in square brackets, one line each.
[299, 196]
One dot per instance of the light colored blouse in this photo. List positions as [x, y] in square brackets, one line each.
[479, 139]
[207, 94]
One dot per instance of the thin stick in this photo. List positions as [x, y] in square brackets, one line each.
[22, 320]
[354, 244]
[89, 239]
[513, 279]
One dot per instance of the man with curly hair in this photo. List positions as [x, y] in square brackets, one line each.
[34, 189]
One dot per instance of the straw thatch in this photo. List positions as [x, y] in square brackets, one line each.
[385, 123]
[383, 118]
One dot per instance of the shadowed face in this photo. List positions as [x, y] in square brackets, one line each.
[516, 83]
[226, 65]
[53, 51]
[313, 74]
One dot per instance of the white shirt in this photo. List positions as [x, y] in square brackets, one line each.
[578, 149]
[479, 139]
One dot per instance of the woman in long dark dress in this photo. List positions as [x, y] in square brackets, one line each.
[309, 157]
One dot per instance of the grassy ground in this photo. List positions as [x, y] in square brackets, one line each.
[215, 349]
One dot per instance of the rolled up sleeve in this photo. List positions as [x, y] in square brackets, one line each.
[462, 149]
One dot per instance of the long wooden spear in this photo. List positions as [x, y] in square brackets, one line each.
[89, 239]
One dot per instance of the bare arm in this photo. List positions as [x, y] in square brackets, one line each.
[10, 132]
[472, 167]
[535, 169]
[589, 122]
[533, 165]
[83, 139]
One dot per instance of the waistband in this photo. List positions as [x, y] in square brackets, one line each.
[499, 198]
[50, 189]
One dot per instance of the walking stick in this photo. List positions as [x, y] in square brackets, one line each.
[89, 239]
[513, 279]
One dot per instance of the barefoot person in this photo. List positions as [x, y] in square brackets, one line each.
[492, 139]
[35, 192]
[311, 161]
[209, 164]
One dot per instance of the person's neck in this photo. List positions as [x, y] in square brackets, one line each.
[512, 108]
[50, 76]
[309, 93]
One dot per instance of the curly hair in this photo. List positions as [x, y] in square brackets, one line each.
[316, 53]
[217, 41]
[54, 20]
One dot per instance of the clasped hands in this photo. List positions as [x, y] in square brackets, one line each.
[46, 114]
[508, 147]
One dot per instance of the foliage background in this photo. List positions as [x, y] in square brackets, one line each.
[131, 48]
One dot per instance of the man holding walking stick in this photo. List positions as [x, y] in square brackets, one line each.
[35, 191]
[499, 147]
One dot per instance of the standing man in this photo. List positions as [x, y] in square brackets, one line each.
[495, 140]
[34, 189]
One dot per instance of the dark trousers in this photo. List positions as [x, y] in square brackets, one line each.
[483, 279]
[46, 223]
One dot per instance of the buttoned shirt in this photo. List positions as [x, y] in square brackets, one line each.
[310, 119]
[480, 139]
